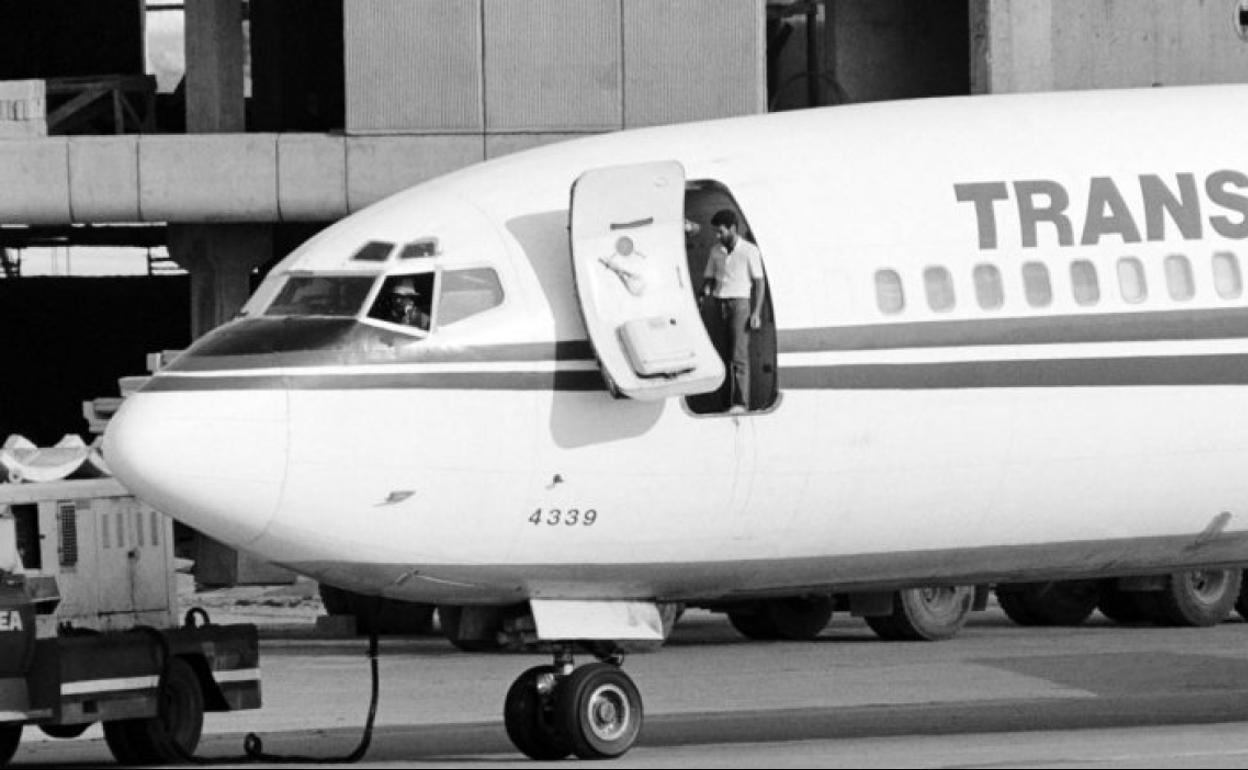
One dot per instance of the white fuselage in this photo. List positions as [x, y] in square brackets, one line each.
[1030, 440]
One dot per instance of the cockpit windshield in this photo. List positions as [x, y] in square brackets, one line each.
[321, 295]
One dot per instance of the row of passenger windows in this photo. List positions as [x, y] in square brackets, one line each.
[1085, 283]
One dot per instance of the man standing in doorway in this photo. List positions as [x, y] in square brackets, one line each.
[734, 277]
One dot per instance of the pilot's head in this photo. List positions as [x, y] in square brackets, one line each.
[403, 295]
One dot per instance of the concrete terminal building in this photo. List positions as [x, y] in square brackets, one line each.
[294, 113]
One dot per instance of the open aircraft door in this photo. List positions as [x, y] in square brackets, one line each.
[632, 280]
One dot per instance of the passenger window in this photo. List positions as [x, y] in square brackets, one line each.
[1083, 282]
[1036, 284]
[321, 295]
[465, 293]
[374, 251]
[939, 286]
[405, 300]
[889, 295]
[1226, 276]
[1179, 278]
[988, 290]
[1131, 280]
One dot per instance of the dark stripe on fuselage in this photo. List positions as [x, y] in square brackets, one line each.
[549, 381]
[1139, 371]
[291, 345]
[285, 343]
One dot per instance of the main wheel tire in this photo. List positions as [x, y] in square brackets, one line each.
[1241, 604]
[1200, 597]
[10, 737]
[598, 707]
[529, 715]
[930, 614]
[754, 624]
[800, 618]
[449, 617]
[1013, 601]
[1057, 603]
[170, 737]
[64, 731]
[1127, 606]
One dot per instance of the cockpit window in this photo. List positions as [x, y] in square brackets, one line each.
[425, 247]
[466, 293]
[405, 300]
[374, 251]
[325, 295]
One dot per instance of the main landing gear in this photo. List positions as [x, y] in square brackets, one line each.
[594, 711]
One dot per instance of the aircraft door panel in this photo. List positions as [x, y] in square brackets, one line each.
[633, 284]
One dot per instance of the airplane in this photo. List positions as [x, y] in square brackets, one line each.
[1004, 338]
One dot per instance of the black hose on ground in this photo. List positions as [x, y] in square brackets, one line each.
[254, 746]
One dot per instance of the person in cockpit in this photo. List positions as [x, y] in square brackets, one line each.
[406, 307]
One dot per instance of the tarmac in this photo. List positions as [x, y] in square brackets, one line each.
[1100, 695]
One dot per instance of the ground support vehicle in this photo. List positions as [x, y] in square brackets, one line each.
[70, 660]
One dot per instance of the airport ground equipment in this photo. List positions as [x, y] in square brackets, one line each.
[88, 631]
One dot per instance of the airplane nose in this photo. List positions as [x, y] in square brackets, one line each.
[214, 460]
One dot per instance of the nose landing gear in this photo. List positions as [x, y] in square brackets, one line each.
[594, 711]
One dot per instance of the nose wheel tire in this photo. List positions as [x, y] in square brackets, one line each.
[172, 735]
[598, 707]
[10, 736]
[529, 715]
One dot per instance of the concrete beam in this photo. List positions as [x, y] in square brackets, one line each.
[206, 178]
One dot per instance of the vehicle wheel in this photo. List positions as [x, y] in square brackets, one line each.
[754, 623]
[800, 618]
[925, 614]
[64, 731]
[10, 737]
[172, 735]
[449, 617]
[1199, 597]
[598, 707]
[529, 715]
[669, 613]
[1127, 606]
[1057, 603]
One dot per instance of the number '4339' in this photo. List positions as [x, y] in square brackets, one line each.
[565, 517]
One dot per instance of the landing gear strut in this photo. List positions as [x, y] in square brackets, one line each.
[594, 711]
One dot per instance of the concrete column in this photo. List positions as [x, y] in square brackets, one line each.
[220, 259]
[1011, 46]
[214, 66]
